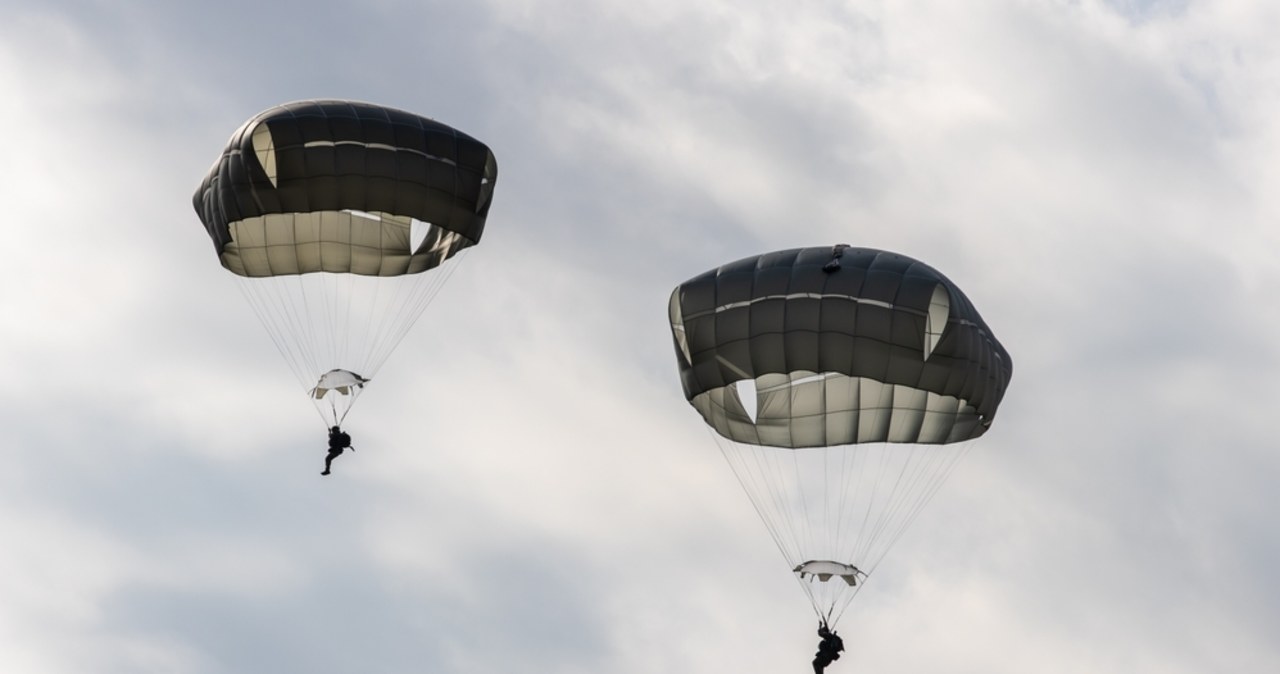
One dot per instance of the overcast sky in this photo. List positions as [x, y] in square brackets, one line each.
[532, 492]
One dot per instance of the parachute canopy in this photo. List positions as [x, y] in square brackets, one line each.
[826, 570]
[841, 382]
[841, 345]
[330, 212]
[336, 186]
[339, 381]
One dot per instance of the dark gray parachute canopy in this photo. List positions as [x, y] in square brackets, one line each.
[841, 345]
[345, 187]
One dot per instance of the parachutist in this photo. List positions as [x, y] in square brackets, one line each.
[828, 649]
[338, 441]
[338, 214]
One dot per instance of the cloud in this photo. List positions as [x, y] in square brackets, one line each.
[530, 492]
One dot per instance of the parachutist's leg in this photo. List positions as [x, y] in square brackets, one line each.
[328, 460]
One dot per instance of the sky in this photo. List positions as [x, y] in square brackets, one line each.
[532, 493]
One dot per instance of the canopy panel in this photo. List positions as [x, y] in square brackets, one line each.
[334, 394]
[824, 570]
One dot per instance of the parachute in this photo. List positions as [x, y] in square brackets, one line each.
[336, 217]
[841, 384]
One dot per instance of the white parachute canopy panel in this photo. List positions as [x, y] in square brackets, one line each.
[335, 393]
[825, 570]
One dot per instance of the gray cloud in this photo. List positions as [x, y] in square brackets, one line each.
[530, 492]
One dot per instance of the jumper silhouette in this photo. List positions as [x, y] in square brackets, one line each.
[338, 441]
[828, 649]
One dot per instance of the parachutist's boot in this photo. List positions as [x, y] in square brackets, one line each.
[325, 471]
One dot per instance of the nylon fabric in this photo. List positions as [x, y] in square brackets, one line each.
[876, 318]
[325, 158]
